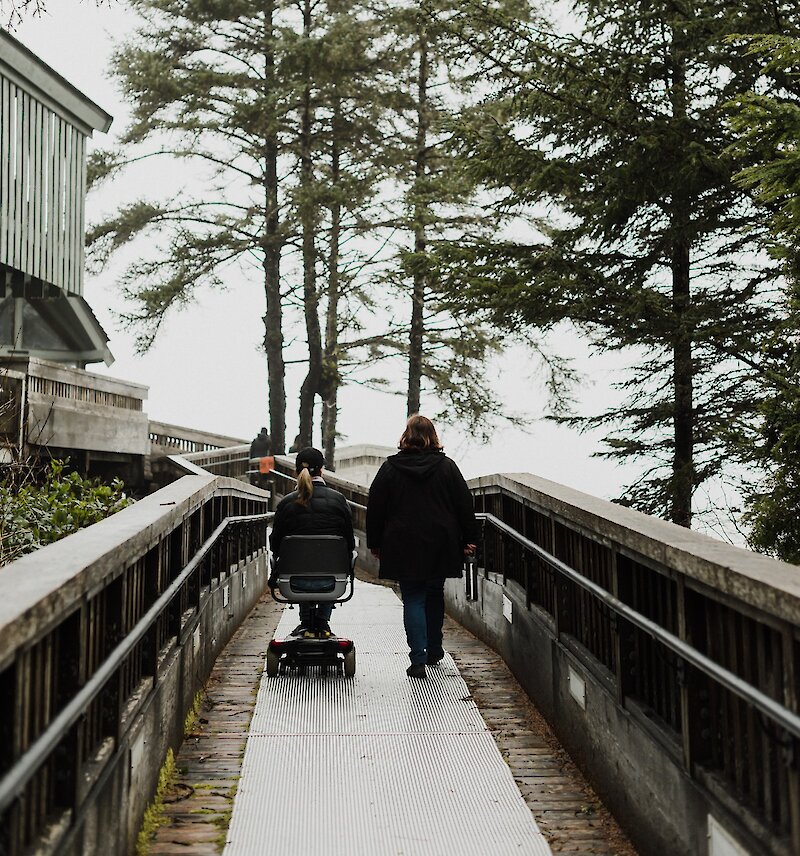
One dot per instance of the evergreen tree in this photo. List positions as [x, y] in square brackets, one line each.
[444, 346]
[615, 140]
[202, 77]
[347, 88]
[323, 150]
[767, 123]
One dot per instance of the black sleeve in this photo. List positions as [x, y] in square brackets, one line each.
[348, 525]
[278, 528]
[376, 507]
[465, 508]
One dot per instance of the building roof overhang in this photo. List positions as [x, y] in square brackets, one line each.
[20, 64]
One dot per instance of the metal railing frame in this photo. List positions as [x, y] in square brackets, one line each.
[13, 783]
[787, 719]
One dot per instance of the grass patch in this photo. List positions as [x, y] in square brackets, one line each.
[193, 716]
[154, 816]
[224, 820]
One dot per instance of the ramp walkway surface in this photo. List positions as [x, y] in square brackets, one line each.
[375, 764]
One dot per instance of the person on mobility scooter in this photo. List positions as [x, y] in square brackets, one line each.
[312, 544]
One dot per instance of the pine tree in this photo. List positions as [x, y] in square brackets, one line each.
[201, 75]
[767, 124]
[346, 92]
[615, 143]
[445, 348]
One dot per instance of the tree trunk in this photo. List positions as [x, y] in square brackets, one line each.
[330, 375]
[420, 210]
[683, 371]
[273, 318]
[310, 387]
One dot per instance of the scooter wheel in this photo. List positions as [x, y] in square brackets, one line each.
[273, 661]
[350, 663]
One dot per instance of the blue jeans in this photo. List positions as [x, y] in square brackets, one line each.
[310, 611]
[423, 617]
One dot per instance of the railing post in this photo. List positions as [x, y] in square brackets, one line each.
[693, 687]
[791, 686]
[71, 661]
[623, 632]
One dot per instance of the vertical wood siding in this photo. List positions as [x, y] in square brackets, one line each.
[42, 190]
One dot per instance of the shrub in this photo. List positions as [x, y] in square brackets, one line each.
[35, 512]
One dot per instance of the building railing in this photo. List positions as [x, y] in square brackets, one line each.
[88, 626]
[177, 439]
[82, 392]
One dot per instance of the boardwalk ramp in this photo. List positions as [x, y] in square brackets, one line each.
[378, 763]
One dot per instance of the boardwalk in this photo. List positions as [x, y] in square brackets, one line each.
[379, 764]
[568, 813]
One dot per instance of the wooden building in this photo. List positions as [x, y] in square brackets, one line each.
[44, 123]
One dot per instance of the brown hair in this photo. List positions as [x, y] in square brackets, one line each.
[419, 434]
[305, 487]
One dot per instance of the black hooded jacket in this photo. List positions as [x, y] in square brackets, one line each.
[327, 513]
[420, 516]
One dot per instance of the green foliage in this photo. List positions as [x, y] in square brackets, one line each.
[767, 124]
[154, 815]
[773, 503]
[34, 513]
[305, 117]
[611, 150]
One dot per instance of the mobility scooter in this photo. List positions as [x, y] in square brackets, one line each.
[312, 569]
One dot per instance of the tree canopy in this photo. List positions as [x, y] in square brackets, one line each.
[613, 145]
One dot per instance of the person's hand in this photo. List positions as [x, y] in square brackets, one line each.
[376, 552]
[470, 549]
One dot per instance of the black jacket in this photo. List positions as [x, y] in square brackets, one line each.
[327, 513]
[420, 516]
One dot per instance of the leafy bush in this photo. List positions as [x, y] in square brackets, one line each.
[37, 512]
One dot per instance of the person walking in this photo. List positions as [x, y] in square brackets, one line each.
[420, 525]
[312, 509]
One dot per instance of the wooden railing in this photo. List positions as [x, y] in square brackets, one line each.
[101, 630]
[44, 122]
[179, 440]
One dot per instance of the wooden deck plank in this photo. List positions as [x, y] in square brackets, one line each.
[568, 812]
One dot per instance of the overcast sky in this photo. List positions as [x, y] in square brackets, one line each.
[206, 370]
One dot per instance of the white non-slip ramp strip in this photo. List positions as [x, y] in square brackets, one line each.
[375, 765]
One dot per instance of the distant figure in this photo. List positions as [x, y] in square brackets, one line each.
[420, 524]
[312, 509]
[261, 447]
[295, 447]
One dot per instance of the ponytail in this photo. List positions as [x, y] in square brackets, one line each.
[305, 487]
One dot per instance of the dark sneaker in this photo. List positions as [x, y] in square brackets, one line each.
[323, 629]
[416, 670]
[299, 630]
[434, 657]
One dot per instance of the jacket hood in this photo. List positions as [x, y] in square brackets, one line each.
[417, 465]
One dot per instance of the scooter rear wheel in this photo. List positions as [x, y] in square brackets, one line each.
[350, 663]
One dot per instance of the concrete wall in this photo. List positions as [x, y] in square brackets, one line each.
[631, 763]
[45, 589]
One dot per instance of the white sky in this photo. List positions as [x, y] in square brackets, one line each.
[206, 371]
